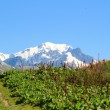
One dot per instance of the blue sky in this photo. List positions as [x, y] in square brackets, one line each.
[79, 23]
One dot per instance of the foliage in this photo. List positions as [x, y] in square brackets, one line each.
[60, 88]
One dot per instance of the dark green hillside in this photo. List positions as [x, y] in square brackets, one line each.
[86, 88]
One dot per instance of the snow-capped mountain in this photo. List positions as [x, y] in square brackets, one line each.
[46, 53]
[43, 48]
[4, 56]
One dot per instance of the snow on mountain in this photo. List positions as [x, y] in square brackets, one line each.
[4, 56]
[27, 53]
[77, 53]
[71, 59]
[48, 52]
[43, 48]
[54, 47]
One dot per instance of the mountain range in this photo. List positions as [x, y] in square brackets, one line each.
[47, 53]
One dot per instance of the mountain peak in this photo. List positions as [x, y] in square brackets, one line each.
[45, 53]
[48, 43]
[53, 46]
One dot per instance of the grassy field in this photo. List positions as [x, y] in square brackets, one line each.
[60, 88]
[9, 103]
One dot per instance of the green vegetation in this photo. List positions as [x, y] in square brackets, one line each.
[51, 88]
[8, 103]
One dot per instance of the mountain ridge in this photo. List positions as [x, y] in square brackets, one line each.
[45, 53]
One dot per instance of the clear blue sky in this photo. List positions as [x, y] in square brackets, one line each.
[79, 23]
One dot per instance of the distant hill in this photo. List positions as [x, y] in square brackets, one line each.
[4, 67]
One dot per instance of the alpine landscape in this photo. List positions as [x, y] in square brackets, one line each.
[54, 55]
